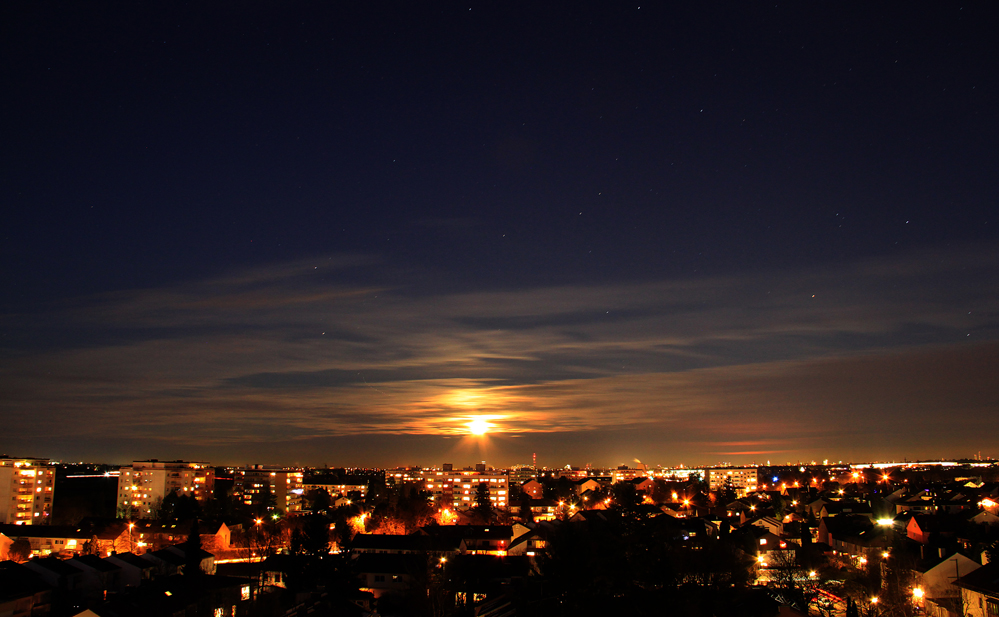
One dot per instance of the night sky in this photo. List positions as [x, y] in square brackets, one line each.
[336, 232]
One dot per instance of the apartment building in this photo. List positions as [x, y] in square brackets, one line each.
[27, 486]
[744, 479]
[458, 488]
[143, 485]
[252, 486]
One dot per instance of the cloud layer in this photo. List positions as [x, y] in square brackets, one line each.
[342, 359]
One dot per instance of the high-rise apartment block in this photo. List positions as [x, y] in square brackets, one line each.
[742, 479]
[523, 473]
[459, 488]
[143, 485]
[252, 485]
[27, 486]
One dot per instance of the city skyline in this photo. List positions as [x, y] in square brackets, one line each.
[339, 235]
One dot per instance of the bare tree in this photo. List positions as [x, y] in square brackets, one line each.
[792, 581]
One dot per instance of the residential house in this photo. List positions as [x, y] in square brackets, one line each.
[387, 544]
[588, 484]
[99, 576]
[643, 484]
[5, 543]
[483, 540]
[935, 577]
[771, 524]
[980, 591]
[543, 509]
[475, 539]
[134, 569]
[530, 544]
[48, 539]
[59, 574]
[167, 562]
[852, 535]
[214, 595]
[533, 488]
[849, 507]
[926, 529]
[22, 592]
[206, 561]
[385, 573]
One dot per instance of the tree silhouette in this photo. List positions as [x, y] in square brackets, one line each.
[192, 551]
[625, 496]
[483, 505]
[19, 551]
[526, 514]
[315, 535]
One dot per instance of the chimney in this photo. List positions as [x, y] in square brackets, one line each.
[942, 552]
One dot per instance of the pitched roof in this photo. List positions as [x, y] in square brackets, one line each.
[390, 563]
[460, 532]
[44, 531]
[56, 565]
[94, 562]
[388, 542]
[187, 551]
[983, 580]
[17, 581]
[167, 556]
[133, 560]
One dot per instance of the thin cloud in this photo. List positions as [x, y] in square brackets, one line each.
[308, 350]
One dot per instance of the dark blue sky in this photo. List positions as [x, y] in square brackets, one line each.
[324, 233]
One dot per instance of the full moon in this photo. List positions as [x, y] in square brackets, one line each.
[478, 427]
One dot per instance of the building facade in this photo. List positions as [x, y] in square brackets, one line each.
[458, 488]
[27, 486]
[252, 485]
[744, 479]
[143, 485]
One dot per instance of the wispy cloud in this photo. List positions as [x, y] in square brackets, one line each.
[327, 348]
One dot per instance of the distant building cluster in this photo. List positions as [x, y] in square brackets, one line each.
[934, 527]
